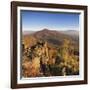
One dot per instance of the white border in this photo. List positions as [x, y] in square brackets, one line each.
[58, 78]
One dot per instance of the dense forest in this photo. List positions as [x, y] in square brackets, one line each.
[50, 53]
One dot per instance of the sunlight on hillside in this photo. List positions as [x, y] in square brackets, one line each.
[42, 57]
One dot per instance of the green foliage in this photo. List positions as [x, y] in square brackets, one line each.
[57, 60]
[55, 70]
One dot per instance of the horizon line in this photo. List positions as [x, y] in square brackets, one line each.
[51, 30]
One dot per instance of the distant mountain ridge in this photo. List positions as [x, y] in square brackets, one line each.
[71, 32]
[28, 32]
[54, 37]
[67, 32]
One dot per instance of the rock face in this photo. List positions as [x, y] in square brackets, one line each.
[43, 56]
[39, 57]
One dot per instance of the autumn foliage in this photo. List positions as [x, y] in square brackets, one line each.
[41, 59]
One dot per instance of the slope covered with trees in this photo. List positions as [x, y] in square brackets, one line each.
[49, 53]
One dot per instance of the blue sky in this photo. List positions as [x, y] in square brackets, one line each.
[36, 20]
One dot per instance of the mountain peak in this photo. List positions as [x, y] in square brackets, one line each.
[45, 29]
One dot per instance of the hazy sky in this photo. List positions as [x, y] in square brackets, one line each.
[36, 20]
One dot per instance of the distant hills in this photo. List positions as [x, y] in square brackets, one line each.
[47, 31]
[71, 32]
[28, 32]
[53, 37]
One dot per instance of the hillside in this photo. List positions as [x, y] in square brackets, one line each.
[50, 53]
[55, 37]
